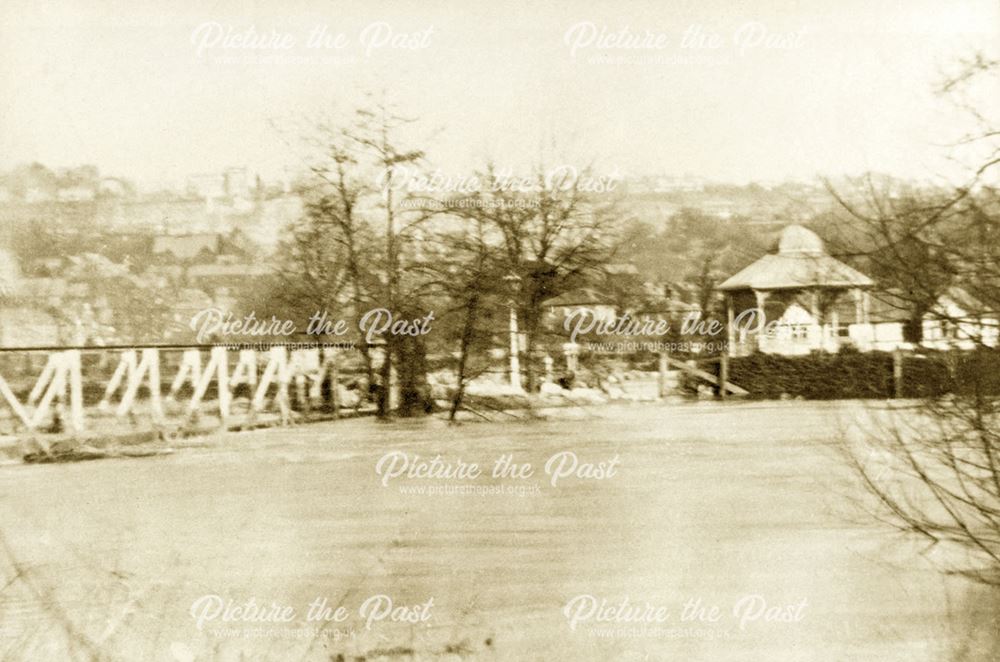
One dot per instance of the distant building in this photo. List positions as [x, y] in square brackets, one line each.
[33, 195]
[600, 306]
[24, 321]
[685, 183]
[232, 183]
[207, 186]
[188, 248]
[10, 271]
[160, 216]
[27, 326]
[76, 194]
[665, 184]
[115, 187]
[237, 183]
[183, 308]
[955, 321]
[211, 277]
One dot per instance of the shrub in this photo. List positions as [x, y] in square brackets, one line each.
[817, 376]
[853, 374]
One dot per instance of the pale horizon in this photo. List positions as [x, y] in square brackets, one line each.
[842, 90]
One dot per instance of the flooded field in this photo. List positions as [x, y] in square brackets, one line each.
[690, 532]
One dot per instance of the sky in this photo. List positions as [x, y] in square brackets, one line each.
[760, 91]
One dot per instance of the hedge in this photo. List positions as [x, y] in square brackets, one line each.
[817, 376]
[850, 374]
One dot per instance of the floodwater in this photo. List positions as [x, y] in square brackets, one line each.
[715, 532]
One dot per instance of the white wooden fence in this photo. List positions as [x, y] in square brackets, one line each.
[58, 391]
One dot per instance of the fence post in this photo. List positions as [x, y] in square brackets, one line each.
[75, 390]
[51, 365]
[723, 375]
[393, 393]
[56, 389]
[125, 370]
[661, 377]
[335, 387]
[148, 367]
[151, 357]
[283, 377]
[14, 404]
[190, 369]
[572, 352]
[221, 359]
[897, 372]
[301, 362]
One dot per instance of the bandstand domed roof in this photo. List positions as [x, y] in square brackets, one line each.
[801, 262]
[796, 240]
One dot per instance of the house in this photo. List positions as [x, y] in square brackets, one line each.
[955, 321]
[958, 321]
[200, 248]
[33, 195]
[75, 194]
[566, 304]
[187, 304]
[648, 301]
[206, 185]
[226, 275]
[24, 322]
[115, 187]
[10, 271]
[27, 326]
[187, 248]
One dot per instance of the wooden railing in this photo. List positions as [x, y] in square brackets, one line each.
[58, 392]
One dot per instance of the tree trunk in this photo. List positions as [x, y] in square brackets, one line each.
[471, 314]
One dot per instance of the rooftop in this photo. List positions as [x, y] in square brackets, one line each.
[801, 261]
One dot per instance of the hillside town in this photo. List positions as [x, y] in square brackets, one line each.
[87, 257]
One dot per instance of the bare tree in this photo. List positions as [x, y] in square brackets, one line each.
[468, 275]
[363, 227]
[554, 235]
[904, 238]
[341, 236]
[944, 482]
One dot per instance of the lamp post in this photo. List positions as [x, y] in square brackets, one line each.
[513, 281]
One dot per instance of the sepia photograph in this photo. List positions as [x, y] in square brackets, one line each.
[496, 330]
